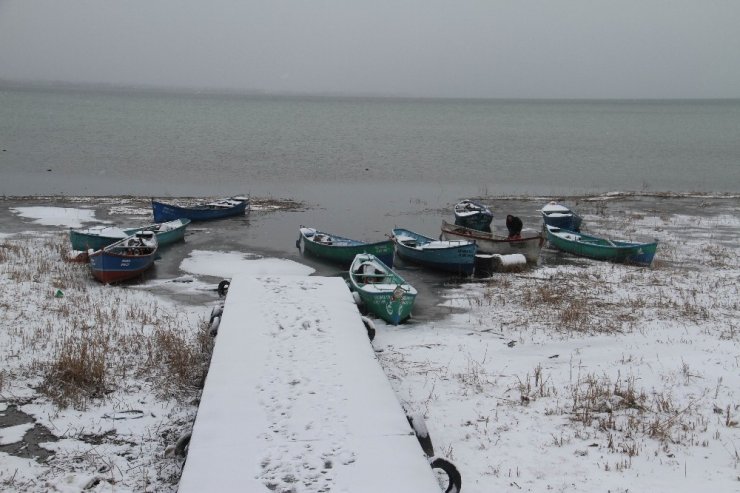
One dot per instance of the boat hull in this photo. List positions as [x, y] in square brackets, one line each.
[528, 245]
[459, 257]
[393, 311]
[473, 215]
[111, 268]
[564, 221]
[169, 212]
[600, 248]
[389, 297]
[560, 216]
[344, 250]
[480, 222]
[83, 241]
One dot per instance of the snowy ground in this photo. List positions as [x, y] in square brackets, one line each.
[571, 376]
[589, 376]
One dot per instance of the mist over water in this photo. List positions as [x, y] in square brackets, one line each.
[84, 142]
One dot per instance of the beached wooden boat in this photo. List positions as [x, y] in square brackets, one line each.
[125, 259]
[560, 216]
[98, 237]
[384, 293]
[456, 256]
[473, 215]
[342, 250]
[601, 248]
[207, 211]
[528, 244]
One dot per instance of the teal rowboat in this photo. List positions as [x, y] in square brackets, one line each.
[342, 250]
[384, 293]
[601, 248]
[100, 237]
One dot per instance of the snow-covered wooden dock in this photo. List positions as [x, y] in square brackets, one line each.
[296, 401]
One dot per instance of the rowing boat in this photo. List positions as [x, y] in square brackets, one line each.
[342, 250]
[601, 248]
[382, 291]
[529, 243]
[456, 256]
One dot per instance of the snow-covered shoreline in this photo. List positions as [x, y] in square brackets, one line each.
[578, 376]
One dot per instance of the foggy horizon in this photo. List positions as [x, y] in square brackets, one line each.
[527, 49]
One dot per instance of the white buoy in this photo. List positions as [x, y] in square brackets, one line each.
[486, 264]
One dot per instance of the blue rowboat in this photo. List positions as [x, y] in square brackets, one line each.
[98, 237]
[382, 291]
[207, 211]
[456, 256]
[473, 215]
[560, 216]
[342, 250]
[125, 259]
[601, 248]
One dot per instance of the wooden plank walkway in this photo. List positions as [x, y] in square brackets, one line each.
[295, 399]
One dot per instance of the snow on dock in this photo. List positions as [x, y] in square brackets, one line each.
[296, 401]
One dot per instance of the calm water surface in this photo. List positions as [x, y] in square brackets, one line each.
[76, 142]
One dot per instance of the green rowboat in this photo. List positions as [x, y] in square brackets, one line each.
[384, 293]
[342, 250]
[601, 248]
[97, 238]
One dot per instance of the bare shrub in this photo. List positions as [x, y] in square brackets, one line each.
[181, 363]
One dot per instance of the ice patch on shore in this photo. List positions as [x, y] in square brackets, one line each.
[229, 264]
[57, 216]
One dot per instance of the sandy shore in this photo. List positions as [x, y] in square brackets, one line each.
[573, 375]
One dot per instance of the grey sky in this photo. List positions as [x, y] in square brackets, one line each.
[462, 48]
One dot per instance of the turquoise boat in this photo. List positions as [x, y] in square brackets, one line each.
[456, 256]
[342, 250]
[383, 292]
[99, 237]
[601, 248]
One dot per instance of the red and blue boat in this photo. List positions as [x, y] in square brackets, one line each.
[126, 259]
[207, 211]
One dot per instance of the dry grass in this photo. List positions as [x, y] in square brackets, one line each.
[78, 373]
[92, 340]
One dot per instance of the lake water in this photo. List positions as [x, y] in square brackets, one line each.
[359, 166]
[106, 142]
